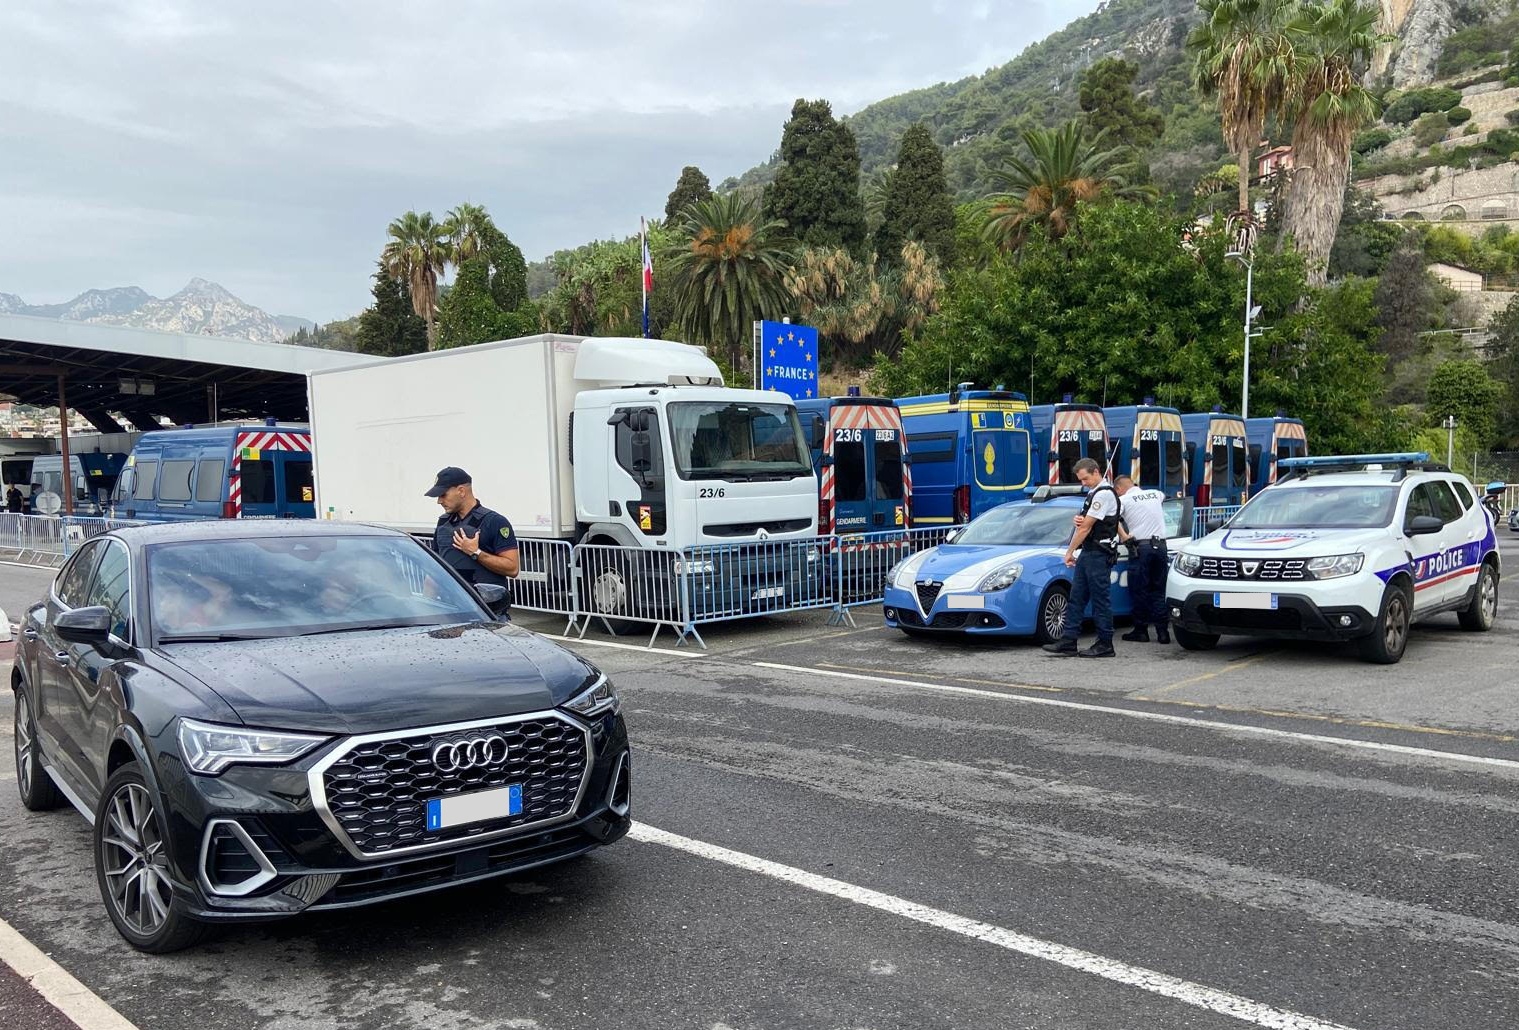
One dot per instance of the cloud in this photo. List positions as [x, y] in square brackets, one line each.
[267, 146]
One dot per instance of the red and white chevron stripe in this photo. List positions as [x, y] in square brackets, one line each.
[1083, 421]
[260, 440]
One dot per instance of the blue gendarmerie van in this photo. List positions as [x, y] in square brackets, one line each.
[970, 452]
[1271, 440]
[1064, 434]
[1217, 460]
[1147, 443]
[218, 472]
[95, 475]
[857, 453]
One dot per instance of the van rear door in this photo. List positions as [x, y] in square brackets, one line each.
[999, 459]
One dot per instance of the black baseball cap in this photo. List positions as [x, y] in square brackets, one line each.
[448, 479]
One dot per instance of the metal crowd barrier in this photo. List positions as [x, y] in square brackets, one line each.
[622, 586]
[863, 560]
[1206, 520]
[546, 579]
[49, 539]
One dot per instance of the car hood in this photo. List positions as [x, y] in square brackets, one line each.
[964, 566]
[370, 681]
[1286, 543]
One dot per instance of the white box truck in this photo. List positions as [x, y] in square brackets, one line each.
[612, 441]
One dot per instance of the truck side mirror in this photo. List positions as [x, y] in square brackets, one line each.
[643, 452]
[815, 434]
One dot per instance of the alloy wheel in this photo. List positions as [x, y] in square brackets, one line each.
[1395, 624]
[1489, 597]
[1055, 611]
[134, 860]
[24, 744]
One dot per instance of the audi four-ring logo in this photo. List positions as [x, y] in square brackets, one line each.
[474, 753]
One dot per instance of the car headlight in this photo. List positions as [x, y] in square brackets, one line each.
[1187, 564]
[208, 749]
[597, 698]
[1002, 578]
[1335, 565]
[903, 572]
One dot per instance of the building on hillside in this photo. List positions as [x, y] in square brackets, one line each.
[1463, 280]
[1277, 159]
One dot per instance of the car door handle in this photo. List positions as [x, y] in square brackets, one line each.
[61, 657]
[29, 634]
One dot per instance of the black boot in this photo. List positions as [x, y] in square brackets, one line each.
[1162, 634]
[1139, 634]
[1064, 648]
[1101, 649]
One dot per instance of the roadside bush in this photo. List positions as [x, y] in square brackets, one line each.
[1512, 117]
[1458, 115]
[1431, 128]
[1374, 138]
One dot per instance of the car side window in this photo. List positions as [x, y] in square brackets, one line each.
[74, 580]
[1464, 495]
[111, 587]
[1420, 502]
[1446, 505]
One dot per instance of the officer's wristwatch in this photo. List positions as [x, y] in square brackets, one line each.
[476, 555]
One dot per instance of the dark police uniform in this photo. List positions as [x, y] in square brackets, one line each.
[496, 537]
[1091, 580]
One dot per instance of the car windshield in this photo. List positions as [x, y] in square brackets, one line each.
[1041, 525]
[287, 586]
[738, 440]
[1319, 507]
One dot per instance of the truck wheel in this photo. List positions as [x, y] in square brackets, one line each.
[1389, 638]
[1480, 615]
[609, 593]
[1054, 609]
[1191, 641]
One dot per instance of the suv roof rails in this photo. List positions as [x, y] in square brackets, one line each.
[1400, 463]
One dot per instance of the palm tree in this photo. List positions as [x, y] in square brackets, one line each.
[469, 229]
[1334, 41]
[729, 270]
[1065, 168]
[1243, 57]
[418, 252]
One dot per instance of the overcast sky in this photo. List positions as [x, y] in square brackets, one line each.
[266, 146]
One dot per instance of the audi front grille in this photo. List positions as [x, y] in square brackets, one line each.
[373, 791]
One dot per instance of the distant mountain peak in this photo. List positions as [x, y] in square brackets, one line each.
[202, 307]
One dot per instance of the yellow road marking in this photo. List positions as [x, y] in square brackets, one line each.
[888, 674]
[1208, 675]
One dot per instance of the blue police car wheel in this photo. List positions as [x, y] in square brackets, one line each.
[1054, 609]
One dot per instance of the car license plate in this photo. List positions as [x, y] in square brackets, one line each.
[1266, 602]
[474, 808]
[768, 593]
[963, 601]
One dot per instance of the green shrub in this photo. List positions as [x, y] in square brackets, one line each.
[1512, 117]
[1431, 128]
[1420, 101]
[1470, 130]
[1374, 138]
[1458, 115]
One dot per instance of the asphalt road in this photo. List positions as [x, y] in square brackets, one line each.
[934, 835]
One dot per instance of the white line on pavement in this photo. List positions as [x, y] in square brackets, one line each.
[625, 647]
[53, 982]
[1181, 720]
[1184, 991]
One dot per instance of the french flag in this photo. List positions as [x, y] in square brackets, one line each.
[648, 273]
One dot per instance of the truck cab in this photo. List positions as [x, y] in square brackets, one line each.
[1217, 458]
[1273, 440]
[1063, 435]
[1147, 444]
[857, 450]
[970, 452]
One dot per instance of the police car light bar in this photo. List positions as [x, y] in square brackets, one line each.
[1355, 460]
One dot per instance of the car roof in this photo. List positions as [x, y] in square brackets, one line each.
[243, 529]
[1361, 477]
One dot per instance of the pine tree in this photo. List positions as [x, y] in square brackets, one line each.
[1406, 302]
[691, 188]
[389, 326]
[917, 203]
[1107, 97]
[816, 192]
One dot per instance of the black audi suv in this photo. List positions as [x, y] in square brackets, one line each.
[262, 718]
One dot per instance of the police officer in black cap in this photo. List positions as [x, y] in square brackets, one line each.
[478, 543]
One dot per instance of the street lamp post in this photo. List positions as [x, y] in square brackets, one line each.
[1250, 312]
[1450, 440]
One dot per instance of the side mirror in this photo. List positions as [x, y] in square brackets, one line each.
[952, 536]
[491, 593]
[1423, 525]
[84, 625]
[643, 453]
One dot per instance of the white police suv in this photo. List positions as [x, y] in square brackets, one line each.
[1356, 547]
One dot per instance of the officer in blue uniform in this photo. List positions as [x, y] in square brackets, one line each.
[475, 541]
[1096, 539]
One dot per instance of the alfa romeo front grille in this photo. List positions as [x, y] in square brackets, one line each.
[1252, 568]
[373, 790]
[928, 593]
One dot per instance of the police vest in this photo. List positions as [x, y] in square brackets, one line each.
[463, 564]
[1104, 532]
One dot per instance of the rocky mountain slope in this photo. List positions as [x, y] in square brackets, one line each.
[202, 307]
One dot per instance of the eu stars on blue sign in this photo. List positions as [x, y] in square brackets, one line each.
[789, 359]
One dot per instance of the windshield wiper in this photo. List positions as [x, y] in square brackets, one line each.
[210, 638]
[353, 628]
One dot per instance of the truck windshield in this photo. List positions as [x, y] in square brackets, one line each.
[737, 440]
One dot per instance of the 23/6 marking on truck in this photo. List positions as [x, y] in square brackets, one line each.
[712, 491]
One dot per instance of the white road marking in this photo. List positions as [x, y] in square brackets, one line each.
[1184, 991]
[53, 982]
[1180, 720]
[626, 647]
